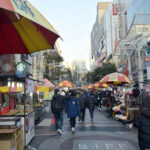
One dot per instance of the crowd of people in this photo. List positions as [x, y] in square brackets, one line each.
[75, 103]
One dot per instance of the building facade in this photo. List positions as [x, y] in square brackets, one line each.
[97, 34]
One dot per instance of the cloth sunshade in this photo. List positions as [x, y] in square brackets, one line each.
[116, 78]
[23, 30]
[66, 83]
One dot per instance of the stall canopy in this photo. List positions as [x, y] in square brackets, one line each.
[48, 84]
[100, 85]
[115, 78]
[66, 83]
[23, 30]
[46, 87]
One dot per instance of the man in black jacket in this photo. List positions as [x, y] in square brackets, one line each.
[91, 102]
[143, 124]
[82, 101]
[57, 107]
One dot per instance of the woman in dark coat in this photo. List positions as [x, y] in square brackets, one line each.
[73, 109]
[143, 124]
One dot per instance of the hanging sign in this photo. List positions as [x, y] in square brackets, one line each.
[21, 66]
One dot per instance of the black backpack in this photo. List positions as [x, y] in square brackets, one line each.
[56, 106]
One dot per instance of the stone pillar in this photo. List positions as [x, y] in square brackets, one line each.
[129, 68]
[140, 72]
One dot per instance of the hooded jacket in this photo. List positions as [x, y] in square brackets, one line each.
[73, 107]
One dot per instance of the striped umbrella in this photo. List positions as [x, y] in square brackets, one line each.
[115, 78]
[100, 85]
[65, 83]
[23, 30]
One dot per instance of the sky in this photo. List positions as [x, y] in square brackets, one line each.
[73, 19]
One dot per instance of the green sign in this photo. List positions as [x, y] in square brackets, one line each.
[21, 66]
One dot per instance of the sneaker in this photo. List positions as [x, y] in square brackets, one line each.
[59, 132]
[91, 120]
[73, 130]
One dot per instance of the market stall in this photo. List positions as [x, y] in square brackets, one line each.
[44, 93]
[16, 101]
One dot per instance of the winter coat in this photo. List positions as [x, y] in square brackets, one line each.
[91, 102]
[73, 107]
[82, 102]
[58, 102]
[143, 124]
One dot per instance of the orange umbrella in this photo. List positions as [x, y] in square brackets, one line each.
[65, 83]
[115, 78]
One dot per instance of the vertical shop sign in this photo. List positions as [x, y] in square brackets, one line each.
[115, 26]
[148, 73]
[115, 9]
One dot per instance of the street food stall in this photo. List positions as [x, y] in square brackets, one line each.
[17, 104]
[45, 93]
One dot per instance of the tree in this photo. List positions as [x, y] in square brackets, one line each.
[52, 65]
[100, 72]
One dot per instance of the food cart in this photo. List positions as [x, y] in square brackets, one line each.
[16, 101]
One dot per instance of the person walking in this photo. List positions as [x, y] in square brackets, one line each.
[73, 109]
[91, 101]
[57, 106]
[143, 124]
[82, 101]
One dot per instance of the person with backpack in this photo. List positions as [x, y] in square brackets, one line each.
[73, 109]
[143, 124]
[82, 101]
[57, 107]
[91, 102]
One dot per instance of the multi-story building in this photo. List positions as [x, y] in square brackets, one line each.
[78, 68]
[97, 34]
[135, 42]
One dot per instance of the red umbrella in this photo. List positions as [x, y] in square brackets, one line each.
[23, 30]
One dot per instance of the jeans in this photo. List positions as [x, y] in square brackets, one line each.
[82, 115]
[91, 111]
[73, 122]
[59, 120]
[141, 148]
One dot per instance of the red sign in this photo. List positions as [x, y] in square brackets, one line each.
[115, 9]
[147, 59]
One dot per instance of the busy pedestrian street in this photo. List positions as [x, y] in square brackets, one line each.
[74, 75]
[103, 134]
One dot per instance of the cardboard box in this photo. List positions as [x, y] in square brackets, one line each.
[7, 143]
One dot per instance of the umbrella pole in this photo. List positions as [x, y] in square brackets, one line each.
[24, 113]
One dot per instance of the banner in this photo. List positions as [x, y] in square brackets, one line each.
[4, 89]
[42, 89]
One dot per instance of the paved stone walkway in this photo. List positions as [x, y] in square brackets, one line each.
[104, 134]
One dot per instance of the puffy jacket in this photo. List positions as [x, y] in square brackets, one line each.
[82, 102]
[73, 107]
[91, 102]
[58, 100]
[143, 123]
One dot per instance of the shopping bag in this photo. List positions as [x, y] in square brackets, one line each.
[53, 120]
